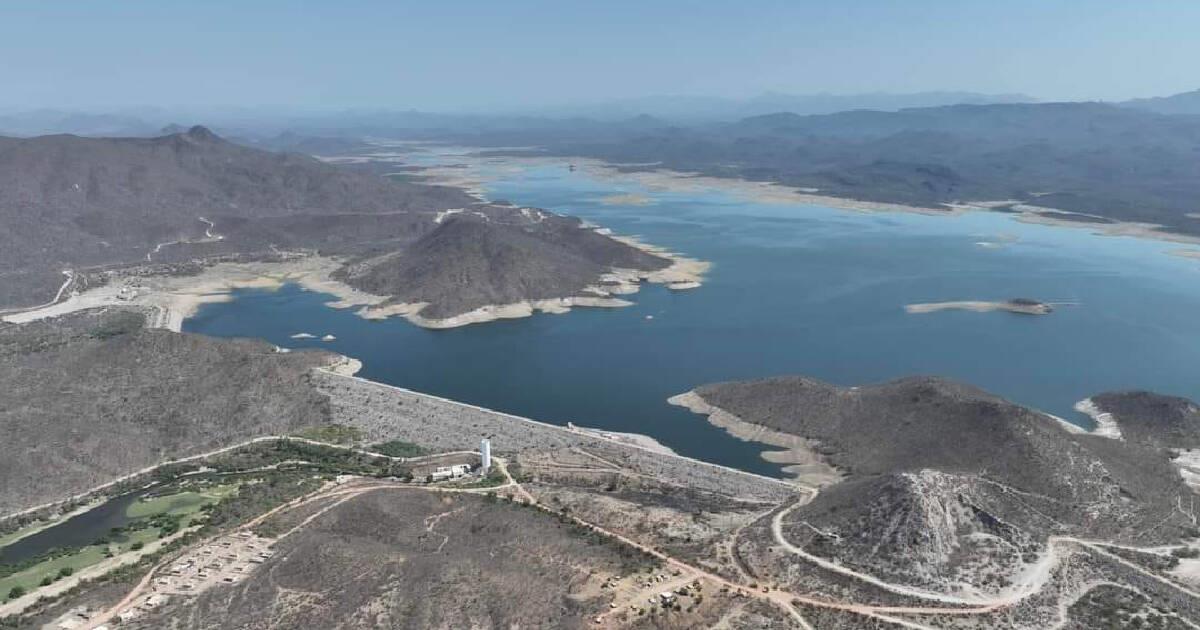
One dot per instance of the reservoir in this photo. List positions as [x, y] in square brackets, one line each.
[794, 289]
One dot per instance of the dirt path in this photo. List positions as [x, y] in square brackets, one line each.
[221, 451]
[209, 237]
[1035, 578]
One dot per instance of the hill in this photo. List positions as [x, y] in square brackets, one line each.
[947, 486]
[68, 201]
[469, 263]
[1183, 103]
[1145, 417]
[93, 396]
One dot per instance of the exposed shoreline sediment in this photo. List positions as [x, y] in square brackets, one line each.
[172, 299]
[661, 179]
[797, 455]
[1106, 424]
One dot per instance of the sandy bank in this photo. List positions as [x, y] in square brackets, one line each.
[345, 366]
[799, 458]
[1011, 306]
[1040, 215]
[489, 313]
[1106, 424]
[171, 299]
[627, 199]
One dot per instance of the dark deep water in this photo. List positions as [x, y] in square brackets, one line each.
[795, 289]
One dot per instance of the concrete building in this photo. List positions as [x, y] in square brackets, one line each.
[449, 472]
[485, 456]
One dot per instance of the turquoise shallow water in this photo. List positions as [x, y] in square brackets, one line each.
[795, 289]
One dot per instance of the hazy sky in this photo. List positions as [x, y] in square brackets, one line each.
[468, 55]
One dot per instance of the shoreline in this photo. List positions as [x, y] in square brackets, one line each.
[799, 459]
[1106, 424]
[662, 179]
[682, 274]
[170, 300]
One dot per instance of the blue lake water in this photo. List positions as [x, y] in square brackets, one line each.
[794, 289]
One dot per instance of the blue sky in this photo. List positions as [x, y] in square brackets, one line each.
[500, 54]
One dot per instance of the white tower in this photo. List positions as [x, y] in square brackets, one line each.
[485, 456]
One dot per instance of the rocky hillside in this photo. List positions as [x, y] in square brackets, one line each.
[1149, 418]
[377, 561]
[68, 201]
[93, 396]
[949, 485]
[83, 204]
[467, 263]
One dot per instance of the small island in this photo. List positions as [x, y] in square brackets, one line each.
[1021, 306]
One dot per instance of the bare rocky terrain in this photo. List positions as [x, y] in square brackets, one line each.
[957, 496]
[408, 559]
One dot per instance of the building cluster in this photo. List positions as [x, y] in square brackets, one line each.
[456, 471]
[442, 473]
[226, 560]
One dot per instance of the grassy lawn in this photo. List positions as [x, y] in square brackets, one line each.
[31, 579]
[493, 479]
[186, 506]
[181, 504]
[398, 448]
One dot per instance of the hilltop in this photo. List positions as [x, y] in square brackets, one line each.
[68, 201]
[469, 263]
[946, 486]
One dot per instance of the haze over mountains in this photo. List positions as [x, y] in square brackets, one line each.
[1120, 163]
[260, 122]
[1184, 103]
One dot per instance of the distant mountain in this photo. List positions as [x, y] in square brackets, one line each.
[51, 121]
[1185, 103]
[1117, 162]
[699, 108]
